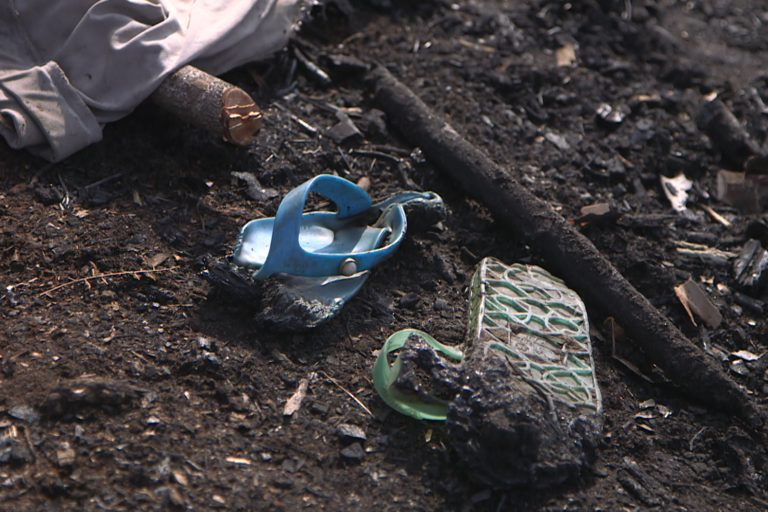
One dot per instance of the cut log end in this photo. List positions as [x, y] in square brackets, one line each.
[208, 102]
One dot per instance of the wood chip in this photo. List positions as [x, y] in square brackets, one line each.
[239, 460]
[65, 455]
[180, 477]
[158, 259]
[566, 55]
[294, 403]
[648, 429]
[476, 46]
[745, 355]
[695, 300]
[719, 218]
[596, 209]
[364, 183]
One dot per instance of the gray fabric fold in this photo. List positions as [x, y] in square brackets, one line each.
[69, 66]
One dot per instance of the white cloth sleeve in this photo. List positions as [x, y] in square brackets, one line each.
[68, 66]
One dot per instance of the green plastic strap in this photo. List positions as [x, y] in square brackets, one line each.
[384, 377]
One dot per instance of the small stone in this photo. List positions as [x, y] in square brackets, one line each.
[292, 465]
[65, 455]
[616, 168]
[15, 455]
[283, 482]
[558, 140]
[417, 157]
[48, 195]
[211, 358]
[350, 432]
[440, 304]
[206, 344]
[739, 367]
[409, 301]
[319, 408]
[610, 115]
[375, 123]
[176, 497]
[344, 131]
[353, 452]
[24, 413]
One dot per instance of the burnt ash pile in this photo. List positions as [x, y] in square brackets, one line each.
[128, 383]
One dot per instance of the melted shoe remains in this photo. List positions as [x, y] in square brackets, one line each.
[525, 407]
[301, 268]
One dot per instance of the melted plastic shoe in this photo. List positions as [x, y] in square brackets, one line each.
[523, 407]
[305, 266]
[320, 244]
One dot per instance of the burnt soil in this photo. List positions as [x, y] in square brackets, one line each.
[152, 390]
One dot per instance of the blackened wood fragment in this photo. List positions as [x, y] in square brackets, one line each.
[725, 131]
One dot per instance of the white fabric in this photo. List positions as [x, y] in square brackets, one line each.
[68, 66]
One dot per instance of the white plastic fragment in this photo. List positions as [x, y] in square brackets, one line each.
[676, 189]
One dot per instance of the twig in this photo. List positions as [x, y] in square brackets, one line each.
[39, 174]
[105, 180]
[30, 444]
[719, 218]
[569, 254]
[379, 154]
[391, 150]
[65, 200]
[308, 127]
[361, 404]
[346, 161]
[695, 438]
[320, 76]
[100, 276]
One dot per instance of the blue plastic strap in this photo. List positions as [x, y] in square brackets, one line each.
[285, 252]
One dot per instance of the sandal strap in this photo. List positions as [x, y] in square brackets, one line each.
[286, 253]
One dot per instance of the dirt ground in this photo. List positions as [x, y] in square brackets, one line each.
[147, 389]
